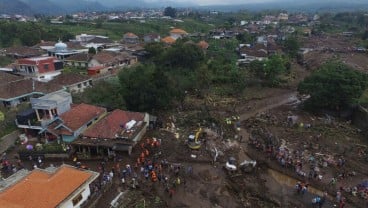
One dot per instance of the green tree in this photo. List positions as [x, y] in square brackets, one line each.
[245, 38]
[104, 93]
[333, 86]
[183, 56]
[292, 46]
[169, 11]
[270, 69]
[92, 50]
[154, 50]
[146, 88]
[365, 35]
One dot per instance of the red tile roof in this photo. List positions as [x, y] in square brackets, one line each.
[96, 68]
[80, 115]
[44, 190]
[130, 35]
[168, 40]
[12, 86]
[104, 57]
[7, 77]
[178, 31]
[22, 87]
[82, 57]
[22, 51]
[45, 43]
[109, 126]
[203, 44]
[67, 79]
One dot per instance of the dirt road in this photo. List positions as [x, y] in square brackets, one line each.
[261, 105]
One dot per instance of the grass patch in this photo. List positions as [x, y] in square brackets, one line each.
[363, 100]
[6, 129]
[116, 30]
[4, 60]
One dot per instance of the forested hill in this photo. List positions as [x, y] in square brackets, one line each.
[296, 6]
[14, 7]
[47, 7]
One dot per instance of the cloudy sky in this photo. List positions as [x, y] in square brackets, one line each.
[212, 2]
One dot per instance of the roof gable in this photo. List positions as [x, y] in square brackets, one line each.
[178, 31]
[112, 124]
[80, 115]
[41, 189]
[104, 57]
[81, 57]
[130, 35]
[23, 51]
[168, 40]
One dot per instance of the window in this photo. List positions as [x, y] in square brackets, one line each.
[46, 66]
[79, 85]
[77, 199]
[85, 83]
[89, 123]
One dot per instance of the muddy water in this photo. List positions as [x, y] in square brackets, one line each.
[283, 179]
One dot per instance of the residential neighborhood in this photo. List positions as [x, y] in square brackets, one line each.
[208, 106]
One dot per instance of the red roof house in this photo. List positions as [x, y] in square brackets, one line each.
[117, 129]
[76, 120]
[61, 187]
[36, 65]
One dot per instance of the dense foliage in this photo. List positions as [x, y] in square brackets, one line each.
[104, 93]
[168, 75]
[169, 11]
[333, 86]
[145, 88]
[29, 33]
[269, 70]
[291, 46]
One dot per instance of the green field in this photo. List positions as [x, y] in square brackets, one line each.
[116, 30]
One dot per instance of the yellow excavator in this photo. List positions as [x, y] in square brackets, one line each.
[194, 142]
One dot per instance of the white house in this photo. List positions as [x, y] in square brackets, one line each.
[63, 187]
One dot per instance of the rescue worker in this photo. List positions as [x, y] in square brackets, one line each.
[153, 176]
[146, 152]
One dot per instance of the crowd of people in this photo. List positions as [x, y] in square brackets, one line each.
[150, 168]
[8, 167]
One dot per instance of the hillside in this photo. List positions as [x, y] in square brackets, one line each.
[44, 7]
[48, 7]
[14, 7]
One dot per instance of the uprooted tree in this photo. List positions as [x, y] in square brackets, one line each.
[334, 86]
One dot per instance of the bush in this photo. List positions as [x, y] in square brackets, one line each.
[334, 86]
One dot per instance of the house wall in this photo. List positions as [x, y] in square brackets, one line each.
[175, 36]
[133, 61]
[149, 39]
[48, 104]
[85, 194]
[144, 129]
[77, 64]
[80, 87]
[94, 62]
[131, 40]
[71, 138]
[15, 101]
[41, 66]
[64, 106]
[68, 138]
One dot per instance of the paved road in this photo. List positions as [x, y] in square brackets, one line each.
[8, 141]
